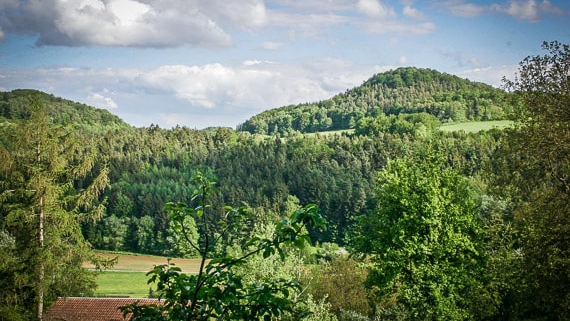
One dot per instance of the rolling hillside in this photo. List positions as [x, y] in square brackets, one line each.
[15, 105]
[404, 90]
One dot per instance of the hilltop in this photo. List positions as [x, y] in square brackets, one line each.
[15, 105]
[401, 91]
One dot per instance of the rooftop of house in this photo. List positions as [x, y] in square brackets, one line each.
[91, 309]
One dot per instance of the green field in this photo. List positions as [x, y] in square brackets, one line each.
[477, 126]
[128, 277]
[122, 284]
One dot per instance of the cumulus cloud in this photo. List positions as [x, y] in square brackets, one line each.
[174, 23]
[214, 86]
[143, 23]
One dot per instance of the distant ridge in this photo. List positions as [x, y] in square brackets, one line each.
[403, 90]
[15, 105]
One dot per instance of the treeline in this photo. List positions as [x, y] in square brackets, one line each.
[401, 91]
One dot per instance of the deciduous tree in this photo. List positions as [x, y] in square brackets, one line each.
[535, 173]
[424, 240]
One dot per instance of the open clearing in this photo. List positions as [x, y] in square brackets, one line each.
[123, 284]
[477, 126]
[145, 263]
[127, 278]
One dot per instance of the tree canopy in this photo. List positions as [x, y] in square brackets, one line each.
[425, 242]
[534, 171]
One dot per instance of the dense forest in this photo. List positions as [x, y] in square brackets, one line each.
[151, 166]
[363, 158]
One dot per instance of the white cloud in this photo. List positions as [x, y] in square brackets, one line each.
[413, 13]
[128, 12]
[375, 8]
[521, 10]
[529, 10]
[463, 9]
[142, 23]
[490, 75]
[216, 86]
[382, 19]
[546, 6]
[100, 101]
[198, 96]
[243, 14]
[403, 60]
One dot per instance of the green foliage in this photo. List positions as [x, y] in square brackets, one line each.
[425, 241]
[311, 310]
[341, 283]
[217, 291]
[403, 124]
[400, 91]
[533, 171]
[50, 180]
[183, 235]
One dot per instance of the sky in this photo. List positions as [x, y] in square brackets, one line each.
[203, 63]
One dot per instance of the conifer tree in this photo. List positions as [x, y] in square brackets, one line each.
[50, 181]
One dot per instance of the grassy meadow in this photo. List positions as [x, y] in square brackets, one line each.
[127, 278]
[477, 126]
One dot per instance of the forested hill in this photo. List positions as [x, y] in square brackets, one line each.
[404, 90]
[16, 105]
[151, 166]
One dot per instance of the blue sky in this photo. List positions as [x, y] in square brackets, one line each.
[201, 63]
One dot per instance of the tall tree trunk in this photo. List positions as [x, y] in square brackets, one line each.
[41, 239]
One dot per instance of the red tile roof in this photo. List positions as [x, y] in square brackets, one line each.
[91, 309]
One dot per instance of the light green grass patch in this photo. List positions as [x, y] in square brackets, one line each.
[127, 278]
[477, 126]
[332, 132]
[123, 284]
